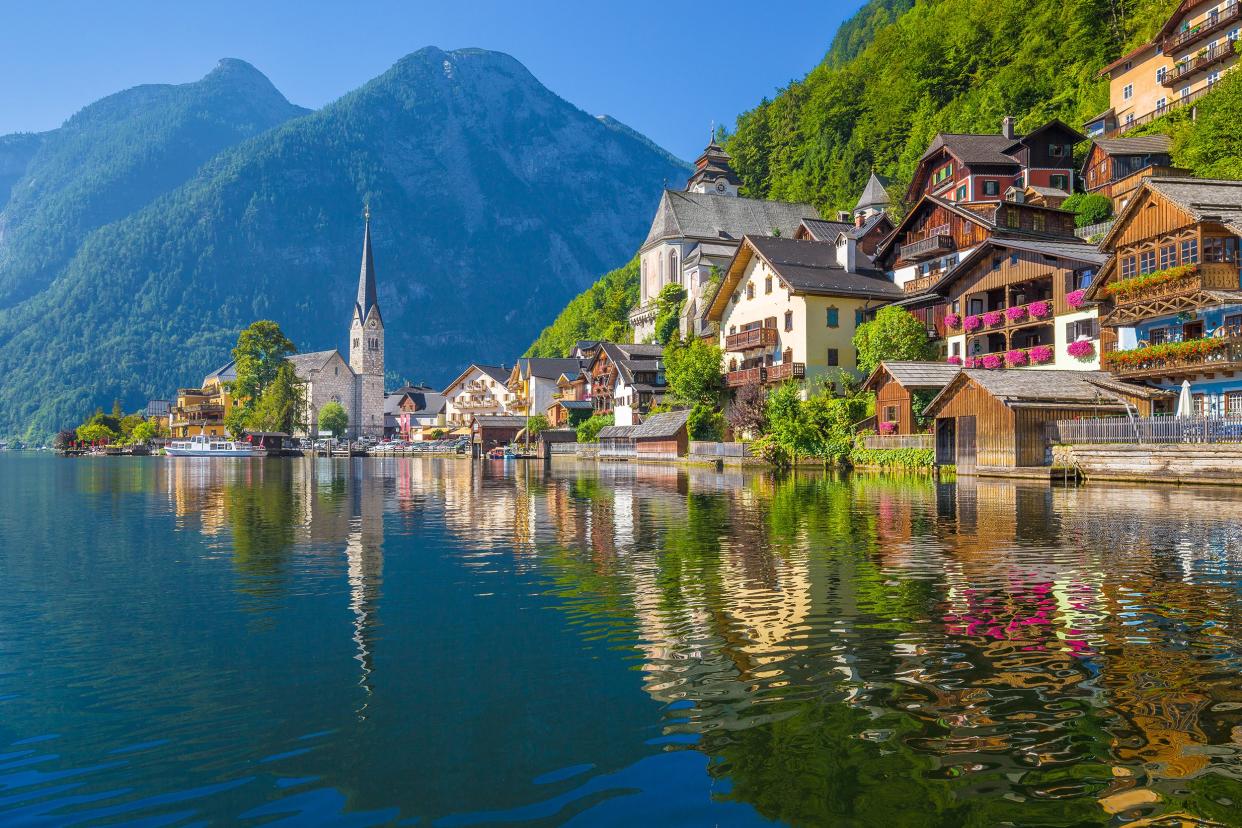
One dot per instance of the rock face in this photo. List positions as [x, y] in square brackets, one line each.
[493, 201]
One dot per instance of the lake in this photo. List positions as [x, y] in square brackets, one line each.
[439, 642]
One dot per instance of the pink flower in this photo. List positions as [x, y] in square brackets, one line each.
[992, 318]
[1014, 314]
[888, 428]
[952, 320]
[954, 360]
[1039, 310]
[1081, 349]
[1015, 358]
[1075, 298]
[990, 361]
[1040, 354]
[972, 323]
[970, 362]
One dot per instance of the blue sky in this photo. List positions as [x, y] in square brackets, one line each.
[665, 68]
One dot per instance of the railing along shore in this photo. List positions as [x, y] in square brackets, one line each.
[1137, 430]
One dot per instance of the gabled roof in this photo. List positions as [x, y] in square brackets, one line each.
[821, 230]
[313, 361]
[498, 421]
[707, 216]
[1204, 199]
[548, 367]
[225, 373]
[426, 400]
[857, 232]
[911, 374]
[665, 424]
[1078, 251]
[496, 372]
[1038, 387]
[1128, 56]
[613, 432]
[574, 405]
[970, 148]
[1138, 145]
[875, 194]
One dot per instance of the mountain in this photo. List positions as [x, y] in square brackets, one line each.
[115, 157]
[492, 200]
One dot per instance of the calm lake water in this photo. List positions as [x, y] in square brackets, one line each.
[434, 642]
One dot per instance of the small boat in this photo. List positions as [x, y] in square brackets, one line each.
[203, 446]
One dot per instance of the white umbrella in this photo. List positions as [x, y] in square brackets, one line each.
[1183, 400]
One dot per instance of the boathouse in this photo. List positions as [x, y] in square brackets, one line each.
[663, 436]
[491, 430]
[997, 421]
[898, 385]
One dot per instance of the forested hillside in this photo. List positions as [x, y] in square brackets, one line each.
[899, 72]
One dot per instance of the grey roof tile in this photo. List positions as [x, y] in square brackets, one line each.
[708, 215]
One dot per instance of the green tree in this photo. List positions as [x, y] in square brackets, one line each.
[282, 406]
[96, 433]
[893, 334]
[668, 313]
[692, 371]
[705, 422]
[789, 427]
[588, 430]
[536, 425]
[332, 417]
[143, 432]
[1089, 208]
[260, 352]
[602, 311]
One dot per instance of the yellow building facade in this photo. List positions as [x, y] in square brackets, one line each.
[204, 410]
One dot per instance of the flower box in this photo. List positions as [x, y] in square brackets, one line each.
[991, 361]
[1155, 355]
[1125, 288]
[1015, 358]
[1015, 314]
[952, 320]
[888, 428]
[1040, 354]
[954, 360]
[969, 363]
[971, 323]
[1081, 349]
[1076, 298]
[1040, 310]
[993, 318]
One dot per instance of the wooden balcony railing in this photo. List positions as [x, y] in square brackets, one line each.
[935, 245]
[1207, 276]
[1205, 59]
[786, 371]
[1211, 24]
[754, 338]
[745, 376]
[1199, 356]
[922, 283]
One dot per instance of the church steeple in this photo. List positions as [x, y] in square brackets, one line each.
[713, 172]
[367, 299]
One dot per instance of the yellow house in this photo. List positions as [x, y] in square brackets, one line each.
[788, 308]
[203, 410]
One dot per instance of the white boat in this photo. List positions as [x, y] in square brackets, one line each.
[202, 446]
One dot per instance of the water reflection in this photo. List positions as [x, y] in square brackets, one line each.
[438, 640]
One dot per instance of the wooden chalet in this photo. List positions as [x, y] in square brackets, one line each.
[996, 422]
[662, 436]
[1115, 167]
[896, 385]
[626, 380]
[1171, 294]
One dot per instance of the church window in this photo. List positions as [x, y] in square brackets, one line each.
[674, 271]
[336, 370]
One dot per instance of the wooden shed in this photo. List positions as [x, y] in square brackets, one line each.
[491, 430]
[662, 436]
[896, 384]
[996, 422]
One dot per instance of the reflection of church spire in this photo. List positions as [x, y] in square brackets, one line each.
[364, 551]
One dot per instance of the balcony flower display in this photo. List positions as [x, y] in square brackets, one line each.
[888, 428]
[1156, 356]
[1015, 358]
[1015, 314]
[1041, 354]
[952, 320]
[992, 318]
[969, 363]
[1075, 298]
[991, 361]
[1125, 288]
[954, 360]
[971, 324]
[1081, 349]
[1040, 310]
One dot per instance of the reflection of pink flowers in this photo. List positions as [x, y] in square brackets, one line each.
[954, 360]
[1081, 349]
[1075, 298]
[888, 428]
[992, 318]
[1014, 314]
[952, 320]
[1040, 310]
[1015, 358]
[1040, 354]
[990, 361]
[972, 323]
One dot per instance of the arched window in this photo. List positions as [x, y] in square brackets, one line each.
[643, 281]
[674, 272]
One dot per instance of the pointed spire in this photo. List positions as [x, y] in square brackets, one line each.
[874, 196]
[367, 296]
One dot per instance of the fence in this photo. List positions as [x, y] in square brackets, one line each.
[568, 448]
[899, 441]
[708, 449]
[1227, 429]
[1093, 229]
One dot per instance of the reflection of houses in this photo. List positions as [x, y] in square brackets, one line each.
[897, 385]
[1172, 292]
[203, 410]
[788, 308]
[480, 390]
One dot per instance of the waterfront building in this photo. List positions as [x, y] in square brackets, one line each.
[695, 232]
[202, 410]
[662, 436]
[627, 380]
[1171, 293]
[996, 421]
[488, 431]
[787, 309]
[478, 390]
[1115, 167]
[571, 404]
[898, 385]
[413, 410]
[964, 167]
[1181, 64]
[533, 382]
[357, 384]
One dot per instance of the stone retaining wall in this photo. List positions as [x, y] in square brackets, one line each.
[1182, 463]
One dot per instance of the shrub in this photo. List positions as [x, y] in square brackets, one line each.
[888, 428]
[588, 430]
[1041, 354]
[1015, 358]
[1089, 208]
[906, 458]
[705, 423]
[1081, 349]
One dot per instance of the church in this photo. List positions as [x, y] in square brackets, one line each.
[357, 383]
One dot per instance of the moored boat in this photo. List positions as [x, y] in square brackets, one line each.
[202, 446]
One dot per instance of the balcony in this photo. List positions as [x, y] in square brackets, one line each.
[1211, 24]
[1177, 359]
[934, 245]
[753, 338]
[746, 376]
[922, 283]
[1173, 295]
[1202, 61]
[786, 371]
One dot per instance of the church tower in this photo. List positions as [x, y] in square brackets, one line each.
[366, 348]
[713, 173]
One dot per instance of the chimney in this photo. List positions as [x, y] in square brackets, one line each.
[843, 216]
[860, 220]
[1007, 127]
